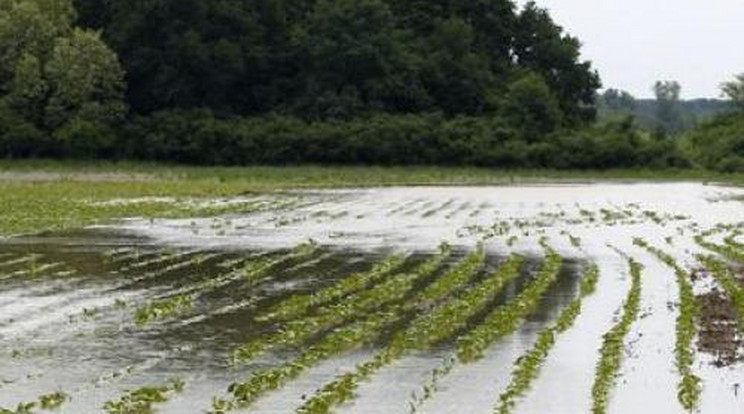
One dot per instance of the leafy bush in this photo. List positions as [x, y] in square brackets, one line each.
[719, 144]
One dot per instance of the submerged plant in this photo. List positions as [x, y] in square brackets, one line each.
[141, 400]
[527, 367]
[689, 388]
[163, 309]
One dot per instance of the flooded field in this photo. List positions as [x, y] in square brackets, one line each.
[617, 298]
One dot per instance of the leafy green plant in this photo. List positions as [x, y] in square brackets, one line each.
[141, 400]
[440, 323]
[527, 367]
[611, 353]
[689, 388]
[163, 309]
[53, 401]
[506, 319]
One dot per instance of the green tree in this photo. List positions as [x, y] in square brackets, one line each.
[667, 106]
[734, 91]
[541, 46]
[52, 73]
[532, 107]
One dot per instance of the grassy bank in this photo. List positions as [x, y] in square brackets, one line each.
[42, 195]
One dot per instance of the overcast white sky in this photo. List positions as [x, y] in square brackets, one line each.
[633, 43]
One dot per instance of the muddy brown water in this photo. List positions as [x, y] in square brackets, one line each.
[69, 327]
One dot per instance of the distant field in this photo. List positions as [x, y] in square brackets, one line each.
[41, 195]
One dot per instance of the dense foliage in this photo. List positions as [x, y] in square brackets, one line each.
[308, 81]
[322, 59]
[61, 87]
[719, 143]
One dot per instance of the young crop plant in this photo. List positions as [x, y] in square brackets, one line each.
[527, 367]
[21, 408]
[504, 320]
[163, 309]
[611, 353]
[690, 388]
[142, 400]
[45, 402]
[53, 401]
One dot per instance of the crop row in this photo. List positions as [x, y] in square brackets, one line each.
[728, 282]
[527, 367]
[252, 272]
[611, 353]
[327, 317]
[690, 388]
[299, 305]
[161, 257]
[45, 402]
[729, 251]
[506, 319]
[452, 316]
[341, 340]
[141, 400]
[387, 297]
[455, 315]
[20, 260]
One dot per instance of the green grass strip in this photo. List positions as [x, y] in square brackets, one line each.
[689, 388]
[527, 368]
[611, 353]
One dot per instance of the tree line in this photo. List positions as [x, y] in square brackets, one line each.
[479, 82]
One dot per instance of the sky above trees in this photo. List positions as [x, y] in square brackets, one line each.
[633, 43]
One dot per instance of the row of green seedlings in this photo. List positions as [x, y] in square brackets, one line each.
[433, 212]
[213, 284]
[183, 262]
[527, 368]
[611, 353]
[252, 273]
[732, 239]
[444, 321]
[385, 305]
[400, 208]
[332, 315]
[129, 256]
[162, 257]
[689, 388]
[508, 272]
[45, 402]
[459, 210]
[142, 400]
[20, 260]
[727, 250]
[419, 209]
[34, 269]
[726, 279]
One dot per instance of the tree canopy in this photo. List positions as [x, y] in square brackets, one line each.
[54, 78]
[338, 59]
